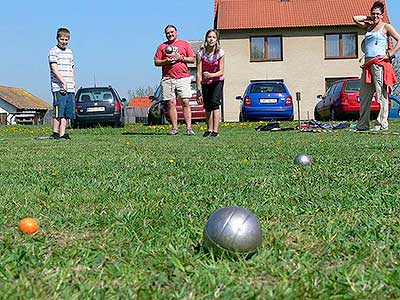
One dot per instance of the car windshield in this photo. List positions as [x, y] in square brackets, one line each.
[267, 88]
[95, 95]
[352, 86]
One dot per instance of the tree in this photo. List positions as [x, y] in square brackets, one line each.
[142, 91]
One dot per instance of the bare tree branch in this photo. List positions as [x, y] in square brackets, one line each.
[142, 91]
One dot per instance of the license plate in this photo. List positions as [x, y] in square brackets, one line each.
[193, 103]
[96, 109]
[263, 101]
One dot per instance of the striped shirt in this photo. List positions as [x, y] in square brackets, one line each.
[65, 62]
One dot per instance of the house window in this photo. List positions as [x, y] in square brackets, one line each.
[341, 45]
[265, 48]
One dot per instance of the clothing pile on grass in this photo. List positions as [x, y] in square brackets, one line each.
[310, 126]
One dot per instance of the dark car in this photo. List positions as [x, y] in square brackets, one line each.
[266, 100]
[158, 112]
[341, 102]
[394, 112]
[99, 105]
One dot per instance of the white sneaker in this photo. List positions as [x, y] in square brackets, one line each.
[376, 128]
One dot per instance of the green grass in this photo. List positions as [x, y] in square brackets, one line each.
[122, 211]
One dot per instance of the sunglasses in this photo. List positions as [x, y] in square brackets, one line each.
[376, 14]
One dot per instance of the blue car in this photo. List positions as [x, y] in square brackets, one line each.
[266, 100]
[394, 112]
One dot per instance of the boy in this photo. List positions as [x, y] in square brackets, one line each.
[62, 75]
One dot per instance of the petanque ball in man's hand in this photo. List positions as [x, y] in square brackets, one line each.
[169, 50]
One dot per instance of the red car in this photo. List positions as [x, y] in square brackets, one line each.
[158, 111]
[341, 102]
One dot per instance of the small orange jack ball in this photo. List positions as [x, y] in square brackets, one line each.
[28, 225]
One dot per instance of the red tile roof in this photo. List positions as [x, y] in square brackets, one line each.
[250, 14]
[140, 102]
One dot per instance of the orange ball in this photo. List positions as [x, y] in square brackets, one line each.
[28, 225]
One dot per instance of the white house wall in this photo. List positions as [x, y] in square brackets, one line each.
[6, 107]
[303, 68]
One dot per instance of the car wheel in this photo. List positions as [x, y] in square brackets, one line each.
[150, 119]
[163, 119]
[241, 118]
[74, 124]
[119, 124]
[317, 116]
[332, 115]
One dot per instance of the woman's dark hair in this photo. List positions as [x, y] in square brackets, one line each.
[379, 5]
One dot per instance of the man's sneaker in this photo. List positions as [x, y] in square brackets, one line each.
[55, 136]
[189, 131]
[173, 131]
[65, 136]
[376, 128]
[359, 130]
[214, 134]
[207, 133]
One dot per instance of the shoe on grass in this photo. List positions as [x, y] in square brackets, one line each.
[207, 133]
[376, 128]
[173, 131]
[214, 134]
[65, 136]
[359, 130]
[189, 131]
[55, 136]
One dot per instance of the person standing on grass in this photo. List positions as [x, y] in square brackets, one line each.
[175, 82]
[62, 73]
[377, 75]
[210, 79]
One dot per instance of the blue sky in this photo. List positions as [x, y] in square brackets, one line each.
[113, 42]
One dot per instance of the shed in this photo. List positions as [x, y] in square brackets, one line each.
[18, 106]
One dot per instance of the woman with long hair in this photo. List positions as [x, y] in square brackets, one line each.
[377, 75]
[210, 80]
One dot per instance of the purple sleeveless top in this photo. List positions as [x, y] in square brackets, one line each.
[210, 63]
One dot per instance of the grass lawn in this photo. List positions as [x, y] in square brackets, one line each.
[122, 211]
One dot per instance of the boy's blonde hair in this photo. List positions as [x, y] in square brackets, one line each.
[63, 31]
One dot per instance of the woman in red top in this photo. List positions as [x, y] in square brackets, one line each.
[210, 80]
[377, 75]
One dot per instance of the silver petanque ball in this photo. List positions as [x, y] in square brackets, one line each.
[232, 229]
[303, 159]
[169, 49]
